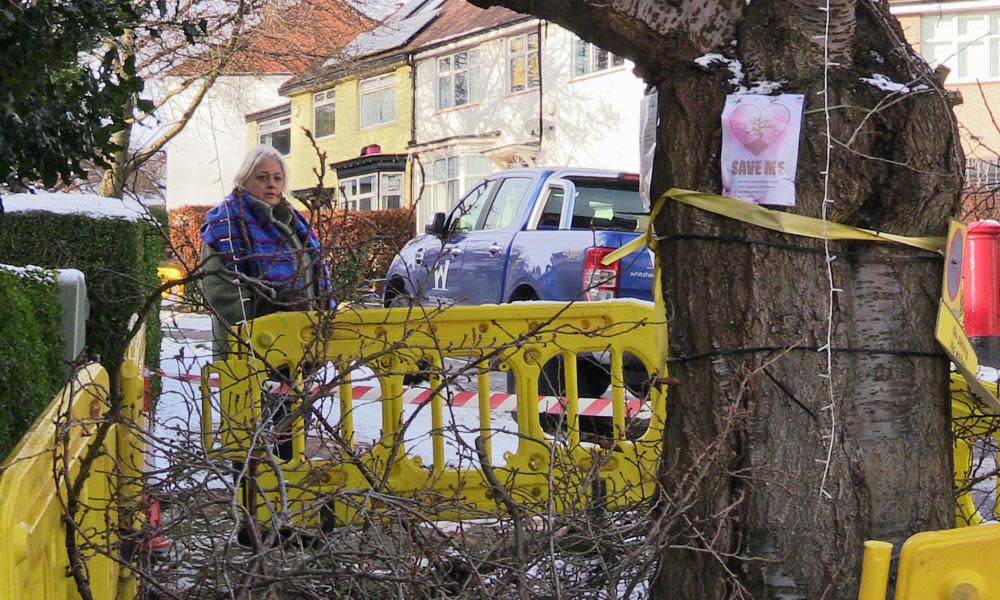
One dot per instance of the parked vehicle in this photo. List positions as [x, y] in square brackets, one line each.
[534, 234]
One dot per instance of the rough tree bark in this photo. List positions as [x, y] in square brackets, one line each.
[763, 513]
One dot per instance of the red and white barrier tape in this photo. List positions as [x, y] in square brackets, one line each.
[591, 407]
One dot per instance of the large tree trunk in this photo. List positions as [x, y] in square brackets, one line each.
[781, 457]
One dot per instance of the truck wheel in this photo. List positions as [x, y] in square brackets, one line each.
[395, 294]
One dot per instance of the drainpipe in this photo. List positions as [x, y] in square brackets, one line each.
[413, 98]
[413, 130]
[543, 28]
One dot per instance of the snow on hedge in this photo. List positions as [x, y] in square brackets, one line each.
[90, 205]
[31, 272]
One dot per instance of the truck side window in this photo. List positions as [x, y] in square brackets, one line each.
[552, 212]
[466, 214]
[507, 201]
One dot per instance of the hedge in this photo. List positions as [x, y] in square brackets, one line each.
[118, 257]
[185, 242]
[30, 350]
[359, 245]
[364, 241]
[185, 239]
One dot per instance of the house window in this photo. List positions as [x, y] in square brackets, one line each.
[391, 190]
[968, 44]
[524, 73]
[459, 79]
[378, 101]
[376, 191]
[276, 133]
[589, 58]
[476, 167]
[324, 113]
[449, 178]
[443, 181]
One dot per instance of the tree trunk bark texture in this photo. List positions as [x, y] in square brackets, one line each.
[116, 174]
[781, 458]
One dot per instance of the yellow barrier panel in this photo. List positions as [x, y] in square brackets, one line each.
[518, 339]
[35, 564]
[956, 564]
[970, 424]
[168, 274]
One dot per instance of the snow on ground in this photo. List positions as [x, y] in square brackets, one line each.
[186, 348]
[62, 203]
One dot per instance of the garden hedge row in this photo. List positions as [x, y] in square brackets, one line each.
[360, 245]
[118, 257]
[30, 350]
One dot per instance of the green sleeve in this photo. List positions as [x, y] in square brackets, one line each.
[222, 291]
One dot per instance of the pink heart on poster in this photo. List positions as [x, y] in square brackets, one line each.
[757, 129]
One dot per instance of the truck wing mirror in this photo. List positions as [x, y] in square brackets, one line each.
[435, 225]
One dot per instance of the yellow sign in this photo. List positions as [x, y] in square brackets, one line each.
[951, 285]
[950, 334]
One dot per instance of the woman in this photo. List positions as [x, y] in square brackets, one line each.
[260, 255]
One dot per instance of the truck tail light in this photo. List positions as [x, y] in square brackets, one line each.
[600, 282]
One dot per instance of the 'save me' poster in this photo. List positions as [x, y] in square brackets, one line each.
[760, 147]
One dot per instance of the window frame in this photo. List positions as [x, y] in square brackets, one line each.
[955, 45]
[376, 196]
[550, 188]
[484, 218]
[525, 56]
[383, 194]
[589, 56]
[282, 123]
[329, 99]
[473, 71]
[455, 214]
[383, 83]
[463, 180]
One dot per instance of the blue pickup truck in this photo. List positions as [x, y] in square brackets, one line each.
[531, 234]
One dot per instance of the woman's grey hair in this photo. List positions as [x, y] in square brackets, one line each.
[253, 159]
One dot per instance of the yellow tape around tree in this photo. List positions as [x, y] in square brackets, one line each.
[772, 219]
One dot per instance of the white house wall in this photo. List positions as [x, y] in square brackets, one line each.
[204, 156]
[588, 121]
[591, 120]
[514, 115]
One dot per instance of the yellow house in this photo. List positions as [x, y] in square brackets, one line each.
[362, 121]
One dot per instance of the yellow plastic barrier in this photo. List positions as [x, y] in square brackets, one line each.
[518, 338]
[970, 423]
[955, 564]
[168, 274]
[34, 564]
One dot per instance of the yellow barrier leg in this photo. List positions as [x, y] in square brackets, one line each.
[572, 399]
[346, 407]
[618, 395]
[297, 429]
[437, 417]
[875, 570]
[485, 419]
[965, 509]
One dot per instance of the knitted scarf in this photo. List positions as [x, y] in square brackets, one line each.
[252, 244]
